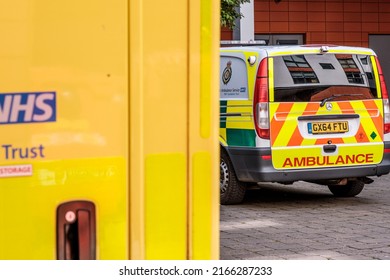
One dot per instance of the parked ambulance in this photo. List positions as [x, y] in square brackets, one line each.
[302, 113]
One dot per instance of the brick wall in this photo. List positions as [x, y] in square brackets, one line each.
[343, 22]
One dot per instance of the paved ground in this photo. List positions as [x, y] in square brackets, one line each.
[304, 221]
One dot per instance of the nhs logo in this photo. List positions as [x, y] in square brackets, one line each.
[27, 107]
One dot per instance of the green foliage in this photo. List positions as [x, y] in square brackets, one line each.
[229, 12]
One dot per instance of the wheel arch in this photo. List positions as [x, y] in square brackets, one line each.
[225, 148]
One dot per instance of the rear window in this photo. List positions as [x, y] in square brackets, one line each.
[314, 77]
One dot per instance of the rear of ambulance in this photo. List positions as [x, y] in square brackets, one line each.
[325, 112]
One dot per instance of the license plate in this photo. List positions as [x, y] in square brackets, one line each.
[327, 127]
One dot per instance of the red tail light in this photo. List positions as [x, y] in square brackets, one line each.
[385, 97]
[260, 104]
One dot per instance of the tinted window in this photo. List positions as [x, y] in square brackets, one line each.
[314, 77]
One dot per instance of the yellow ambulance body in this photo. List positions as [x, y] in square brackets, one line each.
[311, 113]
[108, 130]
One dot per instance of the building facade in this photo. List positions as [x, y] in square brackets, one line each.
[363, 23]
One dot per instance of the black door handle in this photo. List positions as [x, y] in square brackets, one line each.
[329, 148]
[76, 233]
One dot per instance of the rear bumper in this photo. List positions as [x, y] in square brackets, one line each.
[251, 166]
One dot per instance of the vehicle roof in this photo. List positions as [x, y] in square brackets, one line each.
[301, 49]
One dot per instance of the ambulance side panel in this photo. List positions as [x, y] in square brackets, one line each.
[63, 120]
[109, 130]
[237, 81]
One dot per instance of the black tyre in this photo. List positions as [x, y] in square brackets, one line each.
[352, 188]
[232, 191]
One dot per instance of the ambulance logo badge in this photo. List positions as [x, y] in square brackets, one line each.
[227, 73]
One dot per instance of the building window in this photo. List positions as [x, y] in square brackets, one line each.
[300, 70]
[350, 68]
[281, 39]
[327, 66]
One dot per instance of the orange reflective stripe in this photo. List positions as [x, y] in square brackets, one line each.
[311, 108]
[346, 107]
[276, 125]
[377, 119]
[296, 139]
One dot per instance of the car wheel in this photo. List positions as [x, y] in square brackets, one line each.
[232, 191]
[352, 188]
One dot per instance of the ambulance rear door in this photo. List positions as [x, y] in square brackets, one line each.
[325, 110]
